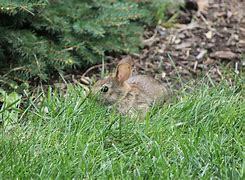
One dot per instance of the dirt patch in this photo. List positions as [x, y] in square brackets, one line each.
[214, 38]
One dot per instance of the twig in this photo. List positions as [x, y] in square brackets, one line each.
[151, 40]
[103, 67]
[94, 67]
[14, 69]
[195, 66]
[219, 73]
[186, 67]
[23, 7]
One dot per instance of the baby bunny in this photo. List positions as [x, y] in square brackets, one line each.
[130, 94]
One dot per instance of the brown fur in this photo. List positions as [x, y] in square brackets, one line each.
[130, 94]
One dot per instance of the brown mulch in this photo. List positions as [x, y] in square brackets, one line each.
[212, 40]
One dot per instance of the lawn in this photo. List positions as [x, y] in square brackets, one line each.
[65, 135]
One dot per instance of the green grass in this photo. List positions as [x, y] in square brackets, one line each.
[199, 136]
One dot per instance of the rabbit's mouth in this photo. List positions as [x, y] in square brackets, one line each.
[99, 97]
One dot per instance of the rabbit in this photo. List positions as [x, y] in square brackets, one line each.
[130, 94]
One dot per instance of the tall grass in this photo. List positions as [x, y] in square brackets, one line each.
[68, 136]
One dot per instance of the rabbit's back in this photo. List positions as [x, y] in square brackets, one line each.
[150, 87]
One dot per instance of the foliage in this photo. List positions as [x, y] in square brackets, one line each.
[39, 37]
[66, 136]
[162, 12]
[9, 108]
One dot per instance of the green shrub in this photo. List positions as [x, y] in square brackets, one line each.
[39, 37]
[161, 11]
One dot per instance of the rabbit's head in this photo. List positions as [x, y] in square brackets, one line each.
[114, 88]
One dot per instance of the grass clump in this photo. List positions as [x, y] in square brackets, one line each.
[68, 136]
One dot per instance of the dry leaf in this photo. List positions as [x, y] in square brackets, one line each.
[209, 34]
[224, 55]
[241, 43]
[201, 54]
[202, 5]
[183, 45]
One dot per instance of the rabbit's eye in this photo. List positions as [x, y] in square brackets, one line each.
[104, 89]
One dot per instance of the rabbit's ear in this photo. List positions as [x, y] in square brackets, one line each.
[127, 59]
[123, 72]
